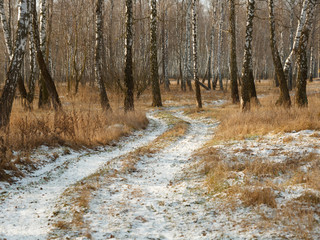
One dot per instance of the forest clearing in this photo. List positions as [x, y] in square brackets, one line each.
[173, 119]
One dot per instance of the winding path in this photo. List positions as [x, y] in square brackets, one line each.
[156, 201]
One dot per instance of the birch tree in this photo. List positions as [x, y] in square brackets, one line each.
[104, 101]
[46, 76]
[247, 60]
[233, 54]
[188, 58]
[301, 23]
[43, 94]
[220, 44]
[195, 52]
[128, 77]
[13, 73]
[284, 99]
[156, 94]
[302, 61]
[292, 3]
[165, 42]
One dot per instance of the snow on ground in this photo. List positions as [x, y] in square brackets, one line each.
[292, 217]
[156, 201]
[28, 204]
[165, 197]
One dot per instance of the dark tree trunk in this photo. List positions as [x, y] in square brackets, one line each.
[301, 92]
[233, 54]
[42, 65]
[247, 73]
[13, 73]
[284, 99]
[195, 53]
[104, 101]
[128, 78]
[156, 94]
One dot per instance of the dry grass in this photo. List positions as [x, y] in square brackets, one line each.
[82, 123]
[258, 196]
[267, 118]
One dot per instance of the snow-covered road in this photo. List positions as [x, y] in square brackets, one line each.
[27, 205]
[156, 201]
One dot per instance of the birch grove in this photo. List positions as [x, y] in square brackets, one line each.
[130, 48]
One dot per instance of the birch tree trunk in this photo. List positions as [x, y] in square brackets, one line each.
[128, 78]
[233, 54]
[187, 65]
[188, 45]
[5, 27]
[44, 100]
[165, 51]
[9, 47]
[13, 73]
[213, 49]
[32, 54]
[290, 72]
[247, 60]
[311, 65]
[284, 98]
[48, 81]
[220, 44]
[302, 21]
[302, 61]
[104, 101]
[156, 94]
[195, 53]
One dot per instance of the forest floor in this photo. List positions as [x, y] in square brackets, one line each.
[183, 177]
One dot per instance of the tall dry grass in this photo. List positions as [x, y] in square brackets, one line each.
[81, 124]
[267, 118]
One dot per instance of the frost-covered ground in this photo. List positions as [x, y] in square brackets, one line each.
[165, 196]
[156, 201]
[287, 165]
[26, 206]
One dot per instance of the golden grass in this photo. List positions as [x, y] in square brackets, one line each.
[81, 124]
[258, 196]
[266, 118]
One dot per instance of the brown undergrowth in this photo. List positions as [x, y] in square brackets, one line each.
[81, 124]
[266, 118]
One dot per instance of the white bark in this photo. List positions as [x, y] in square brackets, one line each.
[301, 24]
[220, 44]
[43, 25]
[6, 29]
[187, 59]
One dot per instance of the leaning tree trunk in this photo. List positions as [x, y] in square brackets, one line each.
[42, 64]
[156, 94]
[195, 53]
[301, 24]
[301, 92]
[284, 98]
[8, 43]
[247, 61]
[104, 101]
[233, 54]
[13, 73]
